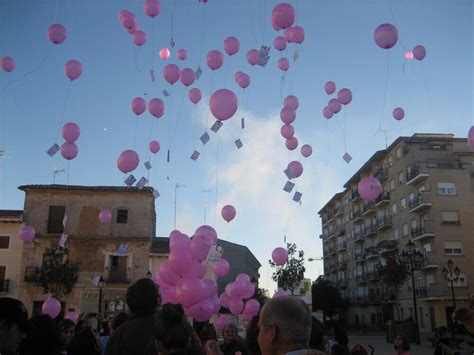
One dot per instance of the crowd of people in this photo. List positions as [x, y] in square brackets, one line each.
[283, 326]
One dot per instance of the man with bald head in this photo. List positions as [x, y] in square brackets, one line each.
[284, 327]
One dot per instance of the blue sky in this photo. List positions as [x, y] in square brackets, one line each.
[436, 95]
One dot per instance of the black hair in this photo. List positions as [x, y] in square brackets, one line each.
[340, 349]
[119, 319]
[208, 332]
[405, 343]
[251, 340]
[83, 343]
[43, 337]
[142, 297]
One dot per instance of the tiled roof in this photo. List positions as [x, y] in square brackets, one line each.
[146, 189]
[11, 214]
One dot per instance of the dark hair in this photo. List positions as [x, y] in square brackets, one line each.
[463, 315]
[66, 324]
[83, 343]
[173, 333]
[405, 343]
[208, 332]
[119, 319]
[340, 349]
[43, 338]
[251, 340]
[142, 297]
[317, 332]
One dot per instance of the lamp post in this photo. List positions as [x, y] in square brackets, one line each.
[149, 274]
[100, 286]
[414, 259]
[451, 274]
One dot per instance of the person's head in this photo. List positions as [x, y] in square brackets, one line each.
[44, 337]
[143, 297]
[284, 325]
[173, 333]
[13, 324]
[318, 334]
[230, 333]
[84, 342]
[401, 343]
[464, 316]
[119, 319]
[251, 339]
[87, 320]
[67, 330]
[208, 332]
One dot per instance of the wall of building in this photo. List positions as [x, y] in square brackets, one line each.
[11, 257]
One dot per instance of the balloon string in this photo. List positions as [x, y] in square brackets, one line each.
[252, 20]
[61, 118]
[38, 67]
[395, 24]
[288, 219]
[384, 92]
[210, 92]
[172, 20]
[153, 47]
[178, 119]
[135, 51]
[56, 12]
[217, 178]
[169, 123]
[135, 134]
[203, 26]
[67, 175]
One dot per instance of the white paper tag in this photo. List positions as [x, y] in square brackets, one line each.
[147, 165]
[204, 138]
[242, 122]
[142, 182]
[215, 254]
[238, 143]
[152, 75]
[195, 155]
[130, 180]
[156, 193]
[63, 240]
[122, 249]
[53, 150]
[296, 55]
[172, 42]
[166, 93]
[263, 56]
[347, 158]
[288, 173]
[297, 196]
[216, 126]
[288, 186]
[64, 219]
[95, 280]
[198, 72]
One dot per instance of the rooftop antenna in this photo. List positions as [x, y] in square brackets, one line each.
[386, 137]
[55, 172]
[177, 186]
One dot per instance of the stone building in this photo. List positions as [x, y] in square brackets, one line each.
[428, 198]
[11, 248]
[118, 251]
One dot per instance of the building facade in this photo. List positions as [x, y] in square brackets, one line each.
[428, 198]
[118, 251]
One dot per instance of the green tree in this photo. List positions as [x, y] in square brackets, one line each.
[58, 275]
[327, 298]
[261, 295]
[289, 276]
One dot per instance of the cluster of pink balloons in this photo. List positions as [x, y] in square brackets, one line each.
[57, 33]
[242, 79]
[105, 216]
[343, 97]
[129, 22]
[128, 161]
[288, 116]
[369, 188]
[222, 321]
[182, 276]
[51, 307]
[71, 133]
[280, 256]
[236, 293]
[228, 213]
[27, 234]
[73, 69]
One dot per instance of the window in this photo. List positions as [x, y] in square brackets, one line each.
[122, 216]
[402, 313]
[405, 229]
[401, 178]
[429, 280]
[450, 217]
[413, 224]
[452, 248]
[396, 234]
[4, 242]
[427, 248]
[460, 281]
[399, 152]
[403, 204]
[392, 185]
[3, 271]
[394, 209]
[447, 188]
[55, 219]
[390, 160]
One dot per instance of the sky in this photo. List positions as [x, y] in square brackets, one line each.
[37, 99]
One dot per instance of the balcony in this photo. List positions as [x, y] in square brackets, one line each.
[383, 199]
[333, 252]
[381, 174]
[359, 257]
[342, 265]
[368, 208]
[119, 276]
[429, 265]
[342, 284]
[372, 252]
[375, 298]
[355, 195]
[324, 221]
[357, 236]
[372, 275]
[363, 299]
[422, 232]
[356, 216]
[384, 222]
[414, 175]
[340, 229]
[341, 246]
[4, 285]
[420, 203]
[339, 211]
[369, 231]
[387, 246]
[32, 274]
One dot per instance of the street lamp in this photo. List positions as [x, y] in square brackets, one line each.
[414, 259]
[149, 274]
[100, 286]
[452, 275]
[314, 259]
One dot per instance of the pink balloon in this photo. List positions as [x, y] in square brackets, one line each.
[156, 107]
[280, 293]
[199, 269]
[306, 150]
[138, 105]
[69, 150]
[124, 14]
[165, 53]
[200, 246]
[128, 161]
[287, 131]
[105, 216]
[470, 138]
[344, 96]
[168, 275]
[408, 55]
[222, 268]
[386, 35]
[236, 306]
[243, 80]
[152, 7]
[291, 143]
[208, 232]
[224, 299]
[203, 311]
[171, 73]
[295, 34]
[73, 69]
[327, 112]
[216, 304]
[130, 24]
[188, 76]
[182, 54]
[194, 95]
[57, 33]
[283, 64]
[334, 105]
[231, 45]
[222, 321]
[291, 101]
[72, 316]
[287, 115]
[190, 292]
[369, 188]
[180, 260]
[296, 168]
[139, 37]
[8, 64]
[179, 240]
[252, 307]
[330, 87]
[253, 57]
[27, 234]
[154, 147]
[419, 52]
[398, 113]
[283, 16]
[223, 104]
[249, 290]
[214, 59]
[280, 43]
[132, 30]
[210, 286]
[71, 132]
[279, 256]
[243, 277]
[228, 213]
[51, 307]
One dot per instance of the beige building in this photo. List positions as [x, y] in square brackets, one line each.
[11, 247]
[428, 198]
[118, 251]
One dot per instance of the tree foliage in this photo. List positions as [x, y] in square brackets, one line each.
[326, 297]
[289, 276]
[261, 295]
[58, 275]
[393, 272]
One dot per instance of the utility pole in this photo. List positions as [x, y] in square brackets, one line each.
[177, 186]
[56, 171]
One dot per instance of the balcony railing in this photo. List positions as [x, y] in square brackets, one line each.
[113, 276]
[368, 208]
[363, 299]
[420, 203]
[422, 232]
[369, 231]
[354, 195]
[371, 252]
[342, 265]
[384, 222]
[340, 228]
[32, 274]
[372, 275]
[375, 297]
[4, 285]
[356, 215]
[381, 174]
[386, 246]
[342, 283]
[339, 210]
[383, 198]
[341, 245]
[359, 256]
[415, 175]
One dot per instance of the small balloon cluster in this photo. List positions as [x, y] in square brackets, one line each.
[236, 293]
[344, 97]
[288, 116]
[242, 79]
[182, 276]
[129, 21]
[369, 188]
[71, 133]
[27, 234]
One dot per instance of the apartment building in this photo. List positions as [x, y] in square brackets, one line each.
[428, 198]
